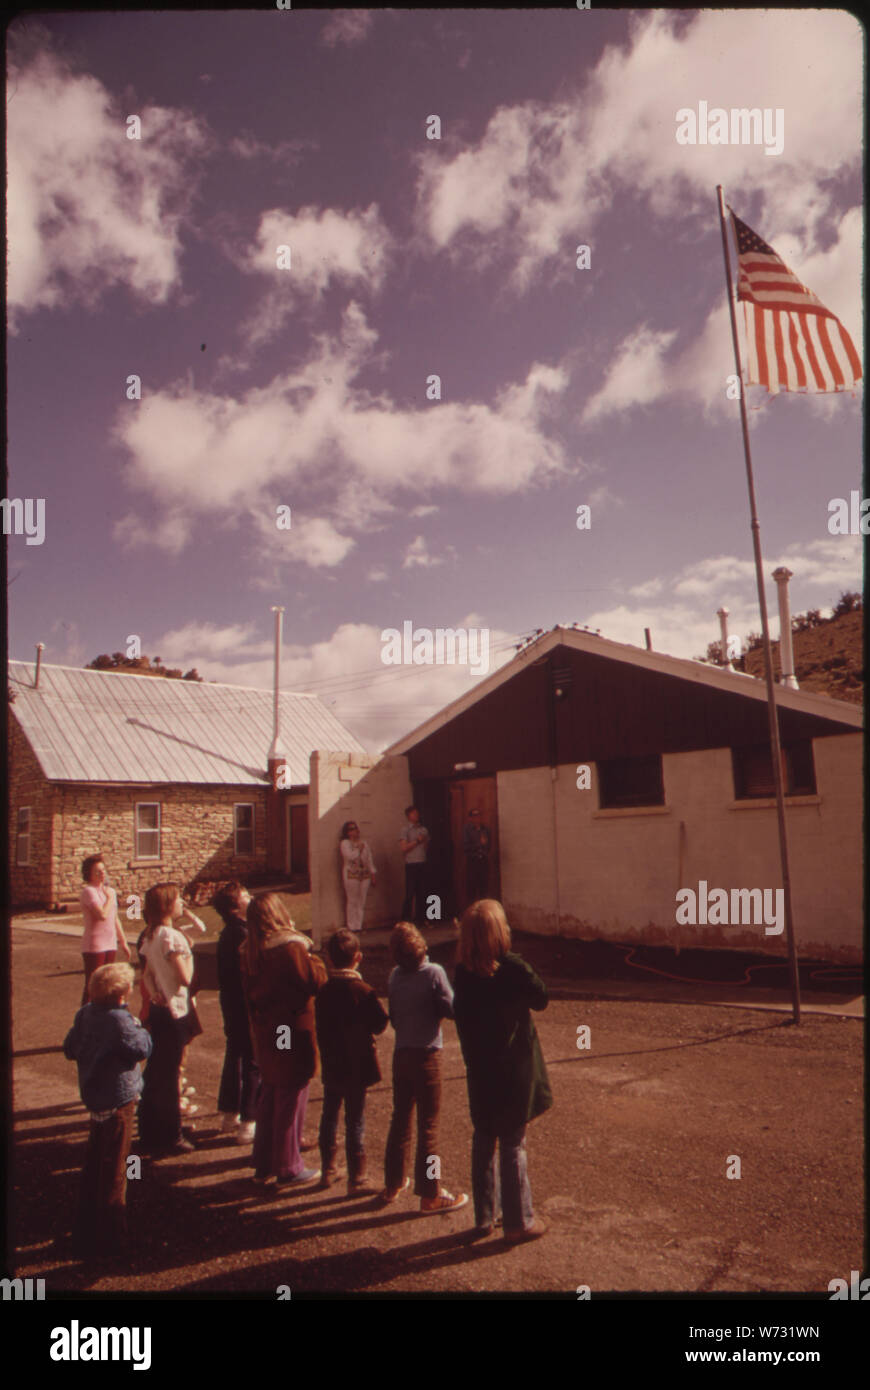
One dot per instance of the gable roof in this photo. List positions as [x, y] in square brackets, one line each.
[105, 726]
[695, 673]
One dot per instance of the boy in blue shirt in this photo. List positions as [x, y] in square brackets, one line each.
[107, 1043]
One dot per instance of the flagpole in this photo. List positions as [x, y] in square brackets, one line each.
[773, 720]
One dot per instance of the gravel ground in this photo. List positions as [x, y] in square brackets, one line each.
[628, 1169]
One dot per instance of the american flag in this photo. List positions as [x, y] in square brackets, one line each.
[794, 343]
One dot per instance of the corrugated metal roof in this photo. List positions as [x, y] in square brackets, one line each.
[102, 726]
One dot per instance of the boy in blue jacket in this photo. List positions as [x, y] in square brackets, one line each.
[107, 1043]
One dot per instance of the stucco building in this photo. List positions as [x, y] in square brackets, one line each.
[611, 777]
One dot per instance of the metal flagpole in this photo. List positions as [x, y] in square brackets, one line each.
[773, 720]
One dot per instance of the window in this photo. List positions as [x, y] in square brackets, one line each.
[753, 771]
[243, 825]
[147, 830]
[22, 843]
[631, 782]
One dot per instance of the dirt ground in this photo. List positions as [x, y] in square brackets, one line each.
[628, 1169]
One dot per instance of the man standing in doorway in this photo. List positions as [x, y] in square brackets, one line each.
[476, 841]
[412, 843]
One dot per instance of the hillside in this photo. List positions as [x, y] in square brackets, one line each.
[828, 658]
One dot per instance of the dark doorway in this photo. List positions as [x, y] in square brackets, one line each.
[474, 793]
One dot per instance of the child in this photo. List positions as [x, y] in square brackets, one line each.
[107, 1043]
[505, 1072]
[348, 1013]
[420, 996]
[172, 1021]
[195, 924]
[281, 975]
[240, 1079]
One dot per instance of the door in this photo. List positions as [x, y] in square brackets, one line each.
[299, 841]
[474, 793]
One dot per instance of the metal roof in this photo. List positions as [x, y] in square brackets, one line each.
[105, 726]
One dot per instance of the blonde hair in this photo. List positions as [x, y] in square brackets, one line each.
[267, 916]
[158, 904]
[484, 936]
[408, 945]
[110, 982]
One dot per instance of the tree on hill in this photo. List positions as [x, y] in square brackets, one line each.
[141, 666]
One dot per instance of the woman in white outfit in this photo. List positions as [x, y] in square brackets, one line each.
[357, 871]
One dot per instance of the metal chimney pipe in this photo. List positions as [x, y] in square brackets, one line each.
[722, 615]
[648, 639]
[276, 750]
[786, 652]
[40, 648]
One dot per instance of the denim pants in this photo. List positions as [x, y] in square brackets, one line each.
[416, 1082]
[101, 1219]
[354, 1098]
[512, 1192]
[280, 1118]
[240, 1080]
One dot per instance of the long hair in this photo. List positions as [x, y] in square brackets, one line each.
[484, 936]
[344, 830]
[158, 905]
[267, 916]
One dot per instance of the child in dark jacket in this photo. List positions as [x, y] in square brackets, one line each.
[348, 1014]
[107, 1043]
[505, 1072]
[240, 1079]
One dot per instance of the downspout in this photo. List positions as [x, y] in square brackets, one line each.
[551, 720]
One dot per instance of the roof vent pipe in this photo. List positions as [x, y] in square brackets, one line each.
[40, 648]
[786, 653]
[724, 655]
[276, 751]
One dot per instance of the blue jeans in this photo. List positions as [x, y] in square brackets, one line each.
[354, 1098]
[512, 1193]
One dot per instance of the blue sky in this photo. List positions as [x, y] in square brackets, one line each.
[411, 256]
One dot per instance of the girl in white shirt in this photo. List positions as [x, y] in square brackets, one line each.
[172, 1019]
[357, 871]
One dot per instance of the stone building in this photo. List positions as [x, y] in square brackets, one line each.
[611, 777]
[167, 779]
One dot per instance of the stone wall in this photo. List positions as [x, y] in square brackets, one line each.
[30, 885]
[196, 835]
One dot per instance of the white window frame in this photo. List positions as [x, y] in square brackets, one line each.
[22, 859]
[147, 830]
[245, 829]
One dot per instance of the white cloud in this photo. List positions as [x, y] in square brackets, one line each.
[542, 174]
[199, 453]
[326, 248]
[89, 209]
[636, 375]
[682, 617]
[378, 703]
[417, 555]
[346, 27]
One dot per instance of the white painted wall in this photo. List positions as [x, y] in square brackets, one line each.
[619, 871]
[374, 792]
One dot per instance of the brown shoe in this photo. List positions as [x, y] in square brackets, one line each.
[537, 1228]
[389, 1194]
